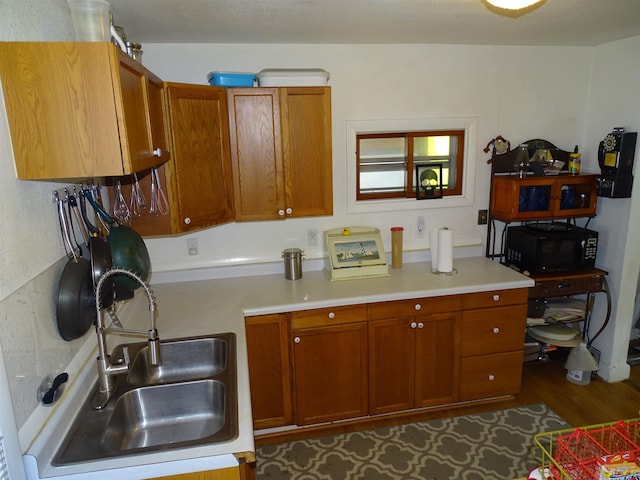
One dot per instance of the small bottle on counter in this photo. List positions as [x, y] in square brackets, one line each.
[574, 162]
[396, 247]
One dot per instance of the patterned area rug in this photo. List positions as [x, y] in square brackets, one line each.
[491, 445]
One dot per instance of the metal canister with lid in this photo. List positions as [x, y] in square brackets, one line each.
[293, 263]
[134, 50]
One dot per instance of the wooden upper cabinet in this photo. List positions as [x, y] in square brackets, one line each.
[200, 174]
[197, 180]
[306, 139]
[79, 110]
[281, 152]
[256, 153]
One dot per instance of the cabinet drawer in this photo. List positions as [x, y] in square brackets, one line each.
[567, 286]
[329, 316]
[418, 306]
[490, 375]
[493, 330]
[494, 298]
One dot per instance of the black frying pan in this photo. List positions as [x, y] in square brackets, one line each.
[76, 306]
[76, 309]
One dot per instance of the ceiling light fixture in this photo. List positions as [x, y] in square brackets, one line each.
[513, 4]
[512, 8]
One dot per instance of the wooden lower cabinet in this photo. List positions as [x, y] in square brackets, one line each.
[330, 373]
[413, 362]
[491, 346]
[220, 474]
[349, 362]
[269, 370]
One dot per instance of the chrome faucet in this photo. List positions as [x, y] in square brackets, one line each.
[106, 369]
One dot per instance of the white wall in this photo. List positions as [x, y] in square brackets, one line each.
[31, 252]
[615, 102]
[517, 92]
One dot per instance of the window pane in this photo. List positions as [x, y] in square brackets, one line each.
[437, 149]
[382, 164]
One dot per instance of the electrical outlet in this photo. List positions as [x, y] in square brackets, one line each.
[312, 237]
[192, 246]
[420, 227]
[482, 217]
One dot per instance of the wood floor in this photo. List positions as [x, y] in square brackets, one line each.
[579, 405]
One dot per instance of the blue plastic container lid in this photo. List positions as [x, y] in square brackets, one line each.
[231, 79]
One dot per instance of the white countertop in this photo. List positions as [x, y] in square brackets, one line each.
[207, 307]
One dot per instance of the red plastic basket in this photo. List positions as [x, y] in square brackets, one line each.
[574, 454]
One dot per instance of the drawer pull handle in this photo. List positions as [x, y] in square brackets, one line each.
[157, 152]
[491, 378]
[413, 325]
[418, 307]
[296, 340]
[496, 330]
[332, 315]
[496, 297]
[420, 325]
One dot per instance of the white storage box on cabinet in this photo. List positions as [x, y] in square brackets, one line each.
[293, 77]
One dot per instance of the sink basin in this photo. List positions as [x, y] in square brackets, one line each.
[190, 400]
[188, 359]
[165, 414]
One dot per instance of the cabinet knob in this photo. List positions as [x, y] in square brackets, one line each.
[413, 325]
[420, 325]
[289, 211]
[187, 220]
[296, 339]
[281, 212]
[496, 297]
[495, 330]
[332, 315]
[157, 152]
[418, 307]
[491, 378]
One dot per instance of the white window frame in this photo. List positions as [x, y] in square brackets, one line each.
[356, 127]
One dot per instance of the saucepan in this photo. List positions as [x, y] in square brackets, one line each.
[128, 250]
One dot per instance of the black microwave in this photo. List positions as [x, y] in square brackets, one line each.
[550, 247]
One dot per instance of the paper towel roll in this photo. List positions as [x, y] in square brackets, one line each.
[433, 243]
[445, 250]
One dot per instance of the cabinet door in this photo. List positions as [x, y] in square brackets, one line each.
[135, 137]
[230, 473]
[330, 372]
[269, 370]
[522, 199]
[256, 153]
[201, 174]
[575, 196]
[436, 359]
[391, 364]
[306, 139]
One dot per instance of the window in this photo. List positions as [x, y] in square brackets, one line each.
[387, 182]
[386, 162]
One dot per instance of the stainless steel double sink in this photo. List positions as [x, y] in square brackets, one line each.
[189, 400]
